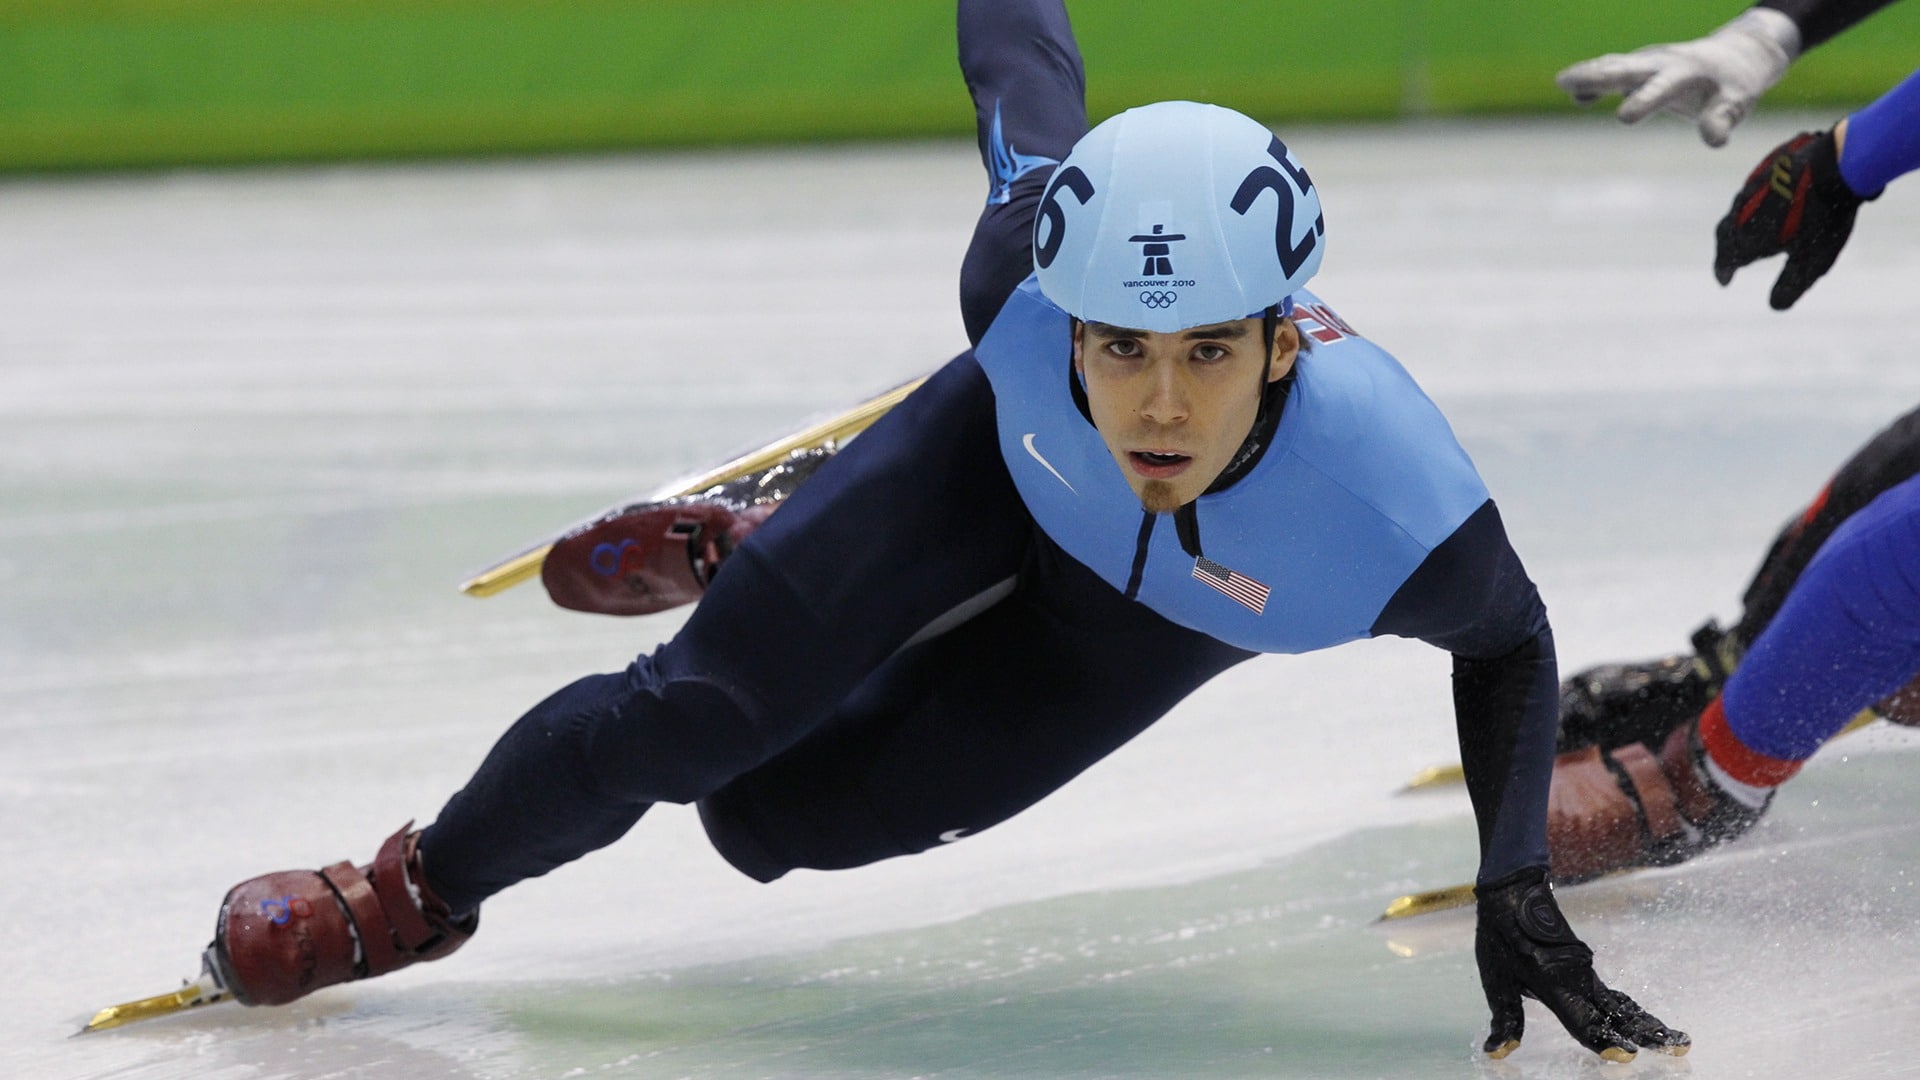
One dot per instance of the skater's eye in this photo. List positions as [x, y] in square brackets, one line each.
[1127, 347]
[1209, 353]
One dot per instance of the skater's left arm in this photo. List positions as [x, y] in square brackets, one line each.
[1472, 597]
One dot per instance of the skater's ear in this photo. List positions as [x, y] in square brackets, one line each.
[1286, 349]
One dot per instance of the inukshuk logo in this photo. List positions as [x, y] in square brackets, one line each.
[1156, 251]
[1156, 267]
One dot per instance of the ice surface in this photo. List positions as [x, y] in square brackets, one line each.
[255, 425]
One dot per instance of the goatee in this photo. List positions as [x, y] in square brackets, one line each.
[1158, 498]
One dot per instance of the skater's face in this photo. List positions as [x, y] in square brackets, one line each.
[1173, 407]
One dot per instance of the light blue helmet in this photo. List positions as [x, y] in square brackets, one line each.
[1174, 215]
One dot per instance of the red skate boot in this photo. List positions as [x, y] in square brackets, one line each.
[284, 935]
[1635, 805]
[657, 555]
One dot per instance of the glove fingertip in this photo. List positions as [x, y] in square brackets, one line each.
[1497, 1047]
[1719, 118]
[1650, 98]
[1670, 1042]
[1619, 1055]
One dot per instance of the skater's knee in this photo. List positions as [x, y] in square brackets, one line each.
[734, 839]
[766, 824]
[677, 742]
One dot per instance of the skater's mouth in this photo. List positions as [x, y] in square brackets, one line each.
[1158, 464]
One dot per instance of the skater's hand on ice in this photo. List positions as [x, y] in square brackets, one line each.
[1525, 947]
[1794, 201]
[1713, 80]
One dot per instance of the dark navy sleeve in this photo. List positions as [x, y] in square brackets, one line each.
[1472, 598]
[1820, 20]
[1029, 101]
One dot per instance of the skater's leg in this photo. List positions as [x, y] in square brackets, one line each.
[1848, 635]
[914, 518]
[1614, 705]
[1889, 458]
[963, 732]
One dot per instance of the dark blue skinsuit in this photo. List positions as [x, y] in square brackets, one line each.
[815, 719]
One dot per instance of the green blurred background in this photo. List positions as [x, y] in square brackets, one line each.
[112, 83]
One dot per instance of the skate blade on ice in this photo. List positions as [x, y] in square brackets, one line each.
[1435, 776]
[206, 990]
[1423, 903]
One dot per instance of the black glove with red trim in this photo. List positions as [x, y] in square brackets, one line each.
[1795, 201]
[1525, 947]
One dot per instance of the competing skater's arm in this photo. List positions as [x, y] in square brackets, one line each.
[1802, 198]
[1882, 141]
[1821, 20]
[1029, 100]
[1715, 79]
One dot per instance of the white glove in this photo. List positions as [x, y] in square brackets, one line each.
[1714, 79]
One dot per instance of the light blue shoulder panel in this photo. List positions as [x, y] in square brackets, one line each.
[1364, 479]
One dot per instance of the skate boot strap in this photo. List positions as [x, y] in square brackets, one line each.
[1696, 803]
[1607, 811]
[391, 925]
[1658, 805]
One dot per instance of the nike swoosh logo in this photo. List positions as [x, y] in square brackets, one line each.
[951, 835]
[1027, 441]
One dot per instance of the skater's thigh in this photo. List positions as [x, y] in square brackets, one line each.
[917, 516]
[965, 731]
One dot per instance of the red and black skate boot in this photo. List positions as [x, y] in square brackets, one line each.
[284, 935]
[1635, 806]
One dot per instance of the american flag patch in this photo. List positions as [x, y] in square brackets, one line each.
[1245, 591]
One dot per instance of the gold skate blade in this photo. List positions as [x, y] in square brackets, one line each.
[202, 991]
[1422, 903]
[525, 565]
[1436, 776]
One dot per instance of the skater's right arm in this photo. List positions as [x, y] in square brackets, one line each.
[1715, 79]
[1029, 100]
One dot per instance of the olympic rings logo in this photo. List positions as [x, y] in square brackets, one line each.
[609, 559]
[1159, 298]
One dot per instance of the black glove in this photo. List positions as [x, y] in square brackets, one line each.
[1525, 946]
[1795, 201]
